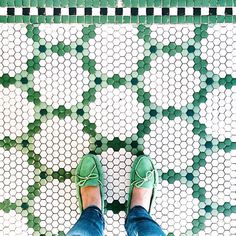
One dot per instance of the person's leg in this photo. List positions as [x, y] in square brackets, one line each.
[89, 184]
[143, 180]
[90, 223]
[139, 222]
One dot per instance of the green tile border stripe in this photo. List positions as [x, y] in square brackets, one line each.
[113, 3]
[90, 15]
[119, 11]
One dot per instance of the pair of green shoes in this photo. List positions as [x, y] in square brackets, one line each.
[89, 173]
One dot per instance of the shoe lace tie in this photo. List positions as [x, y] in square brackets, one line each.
[139, 183]
[84, 179]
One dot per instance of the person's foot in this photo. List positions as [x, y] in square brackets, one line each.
[143, 180]
[89, 182]
[141, 197]
[91, 196]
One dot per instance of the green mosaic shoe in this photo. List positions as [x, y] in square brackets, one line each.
[143, 175]
[89, 173]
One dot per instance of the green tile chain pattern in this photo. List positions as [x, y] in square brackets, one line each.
[118, 91]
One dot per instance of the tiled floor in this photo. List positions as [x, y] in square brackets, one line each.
[118, 90]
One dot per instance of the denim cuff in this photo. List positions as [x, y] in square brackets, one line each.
[135, 208]
[95, 208]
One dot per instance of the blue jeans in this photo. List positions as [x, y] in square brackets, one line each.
[138, 222]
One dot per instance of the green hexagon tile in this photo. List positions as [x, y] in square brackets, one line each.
[117, 90]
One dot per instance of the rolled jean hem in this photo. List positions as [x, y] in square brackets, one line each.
[91, 220]
[139, 221]
[137, 207]
[98, 210]
[93, 207]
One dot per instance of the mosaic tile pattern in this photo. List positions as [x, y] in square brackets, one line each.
[118, 91]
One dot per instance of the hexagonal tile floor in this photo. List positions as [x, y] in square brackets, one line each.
[168, 91]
